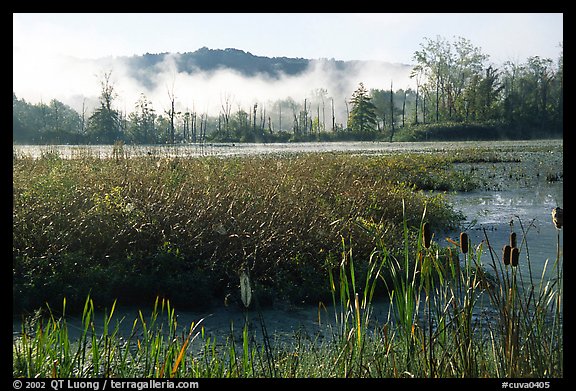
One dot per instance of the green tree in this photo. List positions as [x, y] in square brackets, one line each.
[532, 94]
[468, 64]
[21, 130]
[482, 97]
[141, 123]
[64, 122]
[45, 123]
[541, 73]
[104, 123]
[363, 114]
[448, 67]
[557, 94]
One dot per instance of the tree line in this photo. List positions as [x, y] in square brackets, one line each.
[455, 85]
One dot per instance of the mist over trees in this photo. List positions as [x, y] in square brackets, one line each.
[458, 94]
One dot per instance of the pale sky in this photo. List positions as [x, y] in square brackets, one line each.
[389, 37]
[53, 53]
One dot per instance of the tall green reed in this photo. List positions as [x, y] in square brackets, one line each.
[451, 314]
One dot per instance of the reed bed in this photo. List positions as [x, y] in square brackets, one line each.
[135, 228]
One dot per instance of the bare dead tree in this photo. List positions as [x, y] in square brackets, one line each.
[416, 74]
[186, 126]
[203, 125]
[305, 116]
[280, 116]
[404, 107]
[193, 125]
[226, 112]
[254, 118]
[347, 112]
[262, 120]
[171, 113]
[391, 111]
[323, 114]
[84, 116]
[333, 116]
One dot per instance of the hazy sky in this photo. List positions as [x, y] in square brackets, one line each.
[46, 47]
[344, 36]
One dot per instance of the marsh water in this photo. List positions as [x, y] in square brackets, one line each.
[239, 149]
[516, 194]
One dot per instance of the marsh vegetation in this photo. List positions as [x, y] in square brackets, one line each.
[337, 230]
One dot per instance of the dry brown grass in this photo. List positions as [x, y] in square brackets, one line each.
[205, 219]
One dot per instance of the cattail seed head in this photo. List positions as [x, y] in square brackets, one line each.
[506, 254]
[427, 235]
[558, 217]
[464, 242]
[512, 239]
[514, 256]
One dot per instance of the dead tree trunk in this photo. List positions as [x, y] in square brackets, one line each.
[404, 108]
[391, 112]
[254, 118]
[333, 116]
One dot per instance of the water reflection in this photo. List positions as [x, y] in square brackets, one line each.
[240, 149]
[526, 211]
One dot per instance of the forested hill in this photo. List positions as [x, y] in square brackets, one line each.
[207, 60]
[143, 67]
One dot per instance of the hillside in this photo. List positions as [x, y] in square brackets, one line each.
[246, 63]
[205, 60]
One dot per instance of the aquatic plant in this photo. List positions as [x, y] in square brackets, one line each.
[558, 217]
[436, 327]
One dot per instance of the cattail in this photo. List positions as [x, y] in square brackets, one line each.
[506, 254]
[514, 255]
[427, 236]
[512, 239]
[558, 217]
[464, 242]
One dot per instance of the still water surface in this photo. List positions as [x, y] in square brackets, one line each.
[231, 149]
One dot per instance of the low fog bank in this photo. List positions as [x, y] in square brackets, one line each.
[77, 83]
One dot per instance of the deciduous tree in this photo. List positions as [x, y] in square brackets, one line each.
[104, 123]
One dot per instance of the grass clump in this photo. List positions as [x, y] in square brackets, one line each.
[137, 228]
